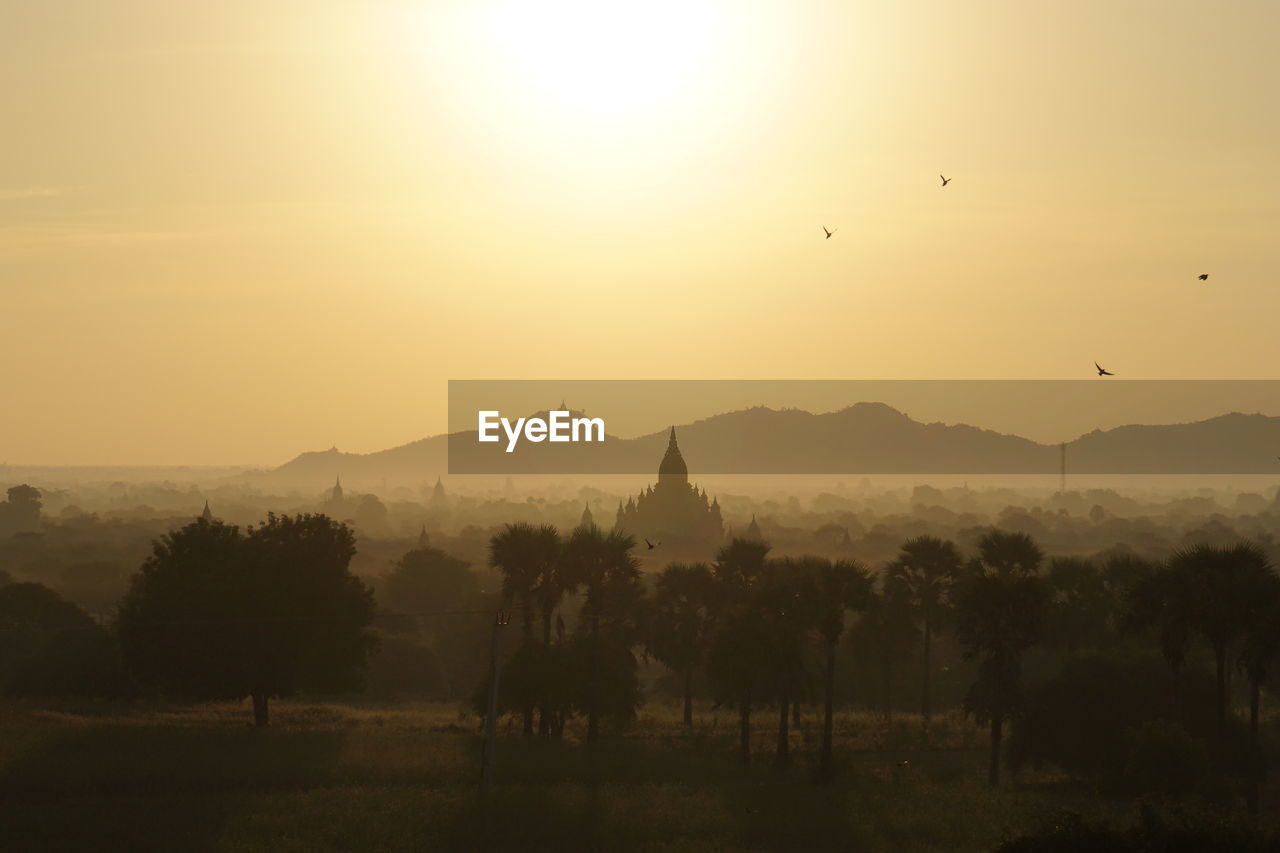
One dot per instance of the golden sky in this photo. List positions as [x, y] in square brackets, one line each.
[233, 231]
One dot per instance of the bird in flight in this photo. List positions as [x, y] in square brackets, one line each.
[652, 545]
[1101, 371]
[1204, 276]
[945, 180]
[828, 233]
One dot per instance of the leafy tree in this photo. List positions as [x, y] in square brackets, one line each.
[21, 511]
[215, 613]
[926, 568]
[428, 579]
[682, 620]
[53, 648]
[1000, 606]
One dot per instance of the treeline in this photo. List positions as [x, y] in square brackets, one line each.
[767, 632]
[274, 610]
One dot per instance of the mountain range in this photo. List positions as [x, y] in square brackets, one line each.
[864, 438]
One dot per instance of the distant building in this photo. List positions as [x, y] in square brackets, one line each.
[438, 494]
[753, 530]
[675, 511]
[207, 515]
[587, 518]
[336, 494]
[424, 541]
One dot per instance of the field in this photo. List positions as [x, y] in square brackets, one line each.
[338, 777]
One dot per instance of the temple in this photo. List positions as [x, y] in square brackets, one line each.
[674, 511]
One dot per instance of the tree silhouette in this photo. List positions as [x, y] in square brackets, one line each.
[786, 600]
[683, 615]
[214, 613]
[840, 586]
[740, 643]
[1000, 606]
[609, 574]
[885, 632]
[527, 556]
[1080, 608]
[1158, 599]
[1222, 583]
[1259, 652]
[926, 568]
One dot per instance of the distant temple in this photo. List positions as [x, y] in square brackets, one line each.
[675, 511]
[424, 541]
[336, 494]
[588, 520]
[207, 515]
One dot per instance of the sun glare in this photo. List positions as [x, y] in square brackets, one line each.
[603, 57]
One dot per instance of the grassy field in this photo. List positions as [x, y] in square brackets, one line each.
[338, 777]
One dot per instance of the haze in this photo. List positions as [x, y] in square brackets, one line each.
[233, 231]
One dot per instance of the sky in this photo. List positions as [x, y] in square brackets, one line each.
[235, 231]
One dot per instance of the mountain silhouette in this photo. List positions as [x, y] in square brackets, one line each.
[865, 438]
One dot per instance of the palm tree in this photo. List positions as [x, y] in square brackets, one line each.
[526, 555]
[739, 564]
[840, 586]
[602, 563]
[683, 608]
[1158, 598]
[1000, 605]
[1257, 657]
[926, 568]
[1223, 583]
[787, 599]
[886, 632]
[734, 667]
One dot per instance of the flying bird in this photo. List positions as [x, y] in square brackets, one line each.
[652, 545]
[1204, 276]
[828, 233]
[1101, 371]
[945, 180]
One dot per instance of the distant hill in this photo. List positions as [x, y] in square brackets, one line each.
[865, 438]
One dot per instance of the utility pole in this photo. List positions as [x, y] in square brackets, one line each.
[1062, 474]
[500, 620]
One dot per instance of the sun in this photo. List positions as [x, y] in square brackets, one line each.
[604, 57]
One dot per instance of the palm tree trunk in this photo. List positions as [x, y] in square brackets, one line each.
[593, 689]
[926, 710]
[1220, 660]
[887, 686]
[782, 756]
[527, 625]
[997, 731]
[544, 716]
[688, 697]
[825, 772]
[744, 730]
[1255, 753]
